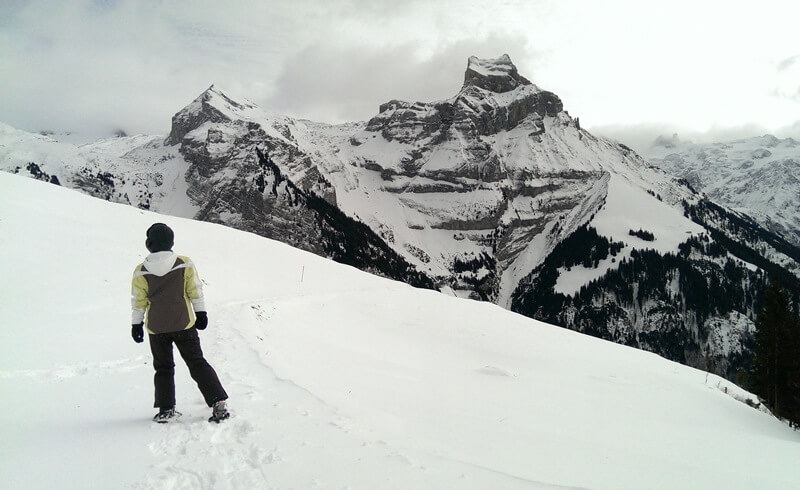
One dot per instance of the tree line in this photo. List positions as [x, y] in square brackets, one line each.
[776, 368]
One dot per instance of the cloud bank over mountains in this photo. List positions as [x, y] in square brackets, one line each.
[97, 66]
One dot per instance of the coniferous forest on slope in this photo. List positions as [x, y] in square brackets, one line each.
[663, 303]
[776, 366]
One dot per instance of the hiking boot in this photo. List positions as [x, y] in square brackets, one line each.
[219, 412]
[165, 415]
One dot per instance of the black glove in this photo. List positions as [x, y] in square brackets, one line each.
[202, 320]
[137, 332]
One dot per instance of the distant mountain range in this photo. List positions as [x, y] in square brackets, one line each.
[758, 176]
[496, 193]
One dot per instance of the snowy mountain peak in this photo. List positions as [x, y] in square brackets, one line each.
[496, 75]
[494, 98]
[215, 97]
[210, 106]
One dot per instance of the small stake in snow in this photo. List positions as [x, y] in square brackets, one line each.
[302, 273]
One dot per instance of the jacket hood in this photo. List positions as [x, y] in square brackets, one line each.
[159, 263]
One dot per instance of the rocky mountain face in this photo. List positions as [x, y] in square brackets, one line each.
[758, 176]
[496, 194]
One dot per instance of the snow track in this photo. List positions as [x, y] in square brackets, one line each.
[278, 427]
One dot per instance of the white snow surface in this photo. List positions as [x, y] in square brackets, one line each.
[337, 379]
[499, 67]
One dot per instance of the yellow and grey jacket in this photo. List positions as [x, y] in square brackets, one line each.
[165, 293]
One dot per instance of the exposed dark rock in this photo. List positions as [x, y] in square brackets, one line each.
[665, 303]
[197, 113]
[473, 111]
[499, 75]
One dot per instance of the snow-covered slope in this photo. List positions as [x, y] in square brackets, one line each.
[337, 378]
[757, 176]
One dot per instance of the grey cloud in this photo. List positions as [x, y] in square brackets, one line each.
[337, 84]
[788, 62]
[641, 137]
[92, 67]
[787, 85]
[789, 131]
[786, 93]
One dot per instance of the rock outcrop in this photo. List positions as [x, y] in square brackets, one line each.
[494, 98]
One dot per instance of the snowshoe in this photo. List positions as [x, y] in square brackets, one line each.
[219, 412]
[166, 415]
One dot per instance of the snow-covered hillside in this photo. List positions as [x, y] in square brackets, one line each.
[337, 378]
[758, 176]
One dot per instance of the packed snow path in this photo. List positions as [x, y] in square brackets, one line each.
[341, 380]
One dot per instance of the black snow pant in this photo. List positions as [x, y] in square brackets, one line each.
[188, 343]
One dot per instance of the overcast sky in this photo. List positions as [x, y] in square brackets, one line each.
[630, 69]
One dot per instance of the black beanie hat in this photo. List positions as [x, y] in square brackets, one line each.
[160, 238]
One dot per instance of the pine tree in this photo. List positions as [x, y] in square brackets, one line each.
[777, 363]
[793, 376]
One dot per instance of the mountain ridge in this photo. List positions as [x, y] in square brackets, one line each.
[474, 193]
[759, 176]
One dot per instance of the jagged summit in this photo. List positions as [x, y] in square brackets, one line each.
[214, 97]
[494, 98]
[497, 75]
[210, 106]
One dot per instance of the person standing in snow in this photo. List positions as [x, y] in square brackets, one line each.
[167, 297]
